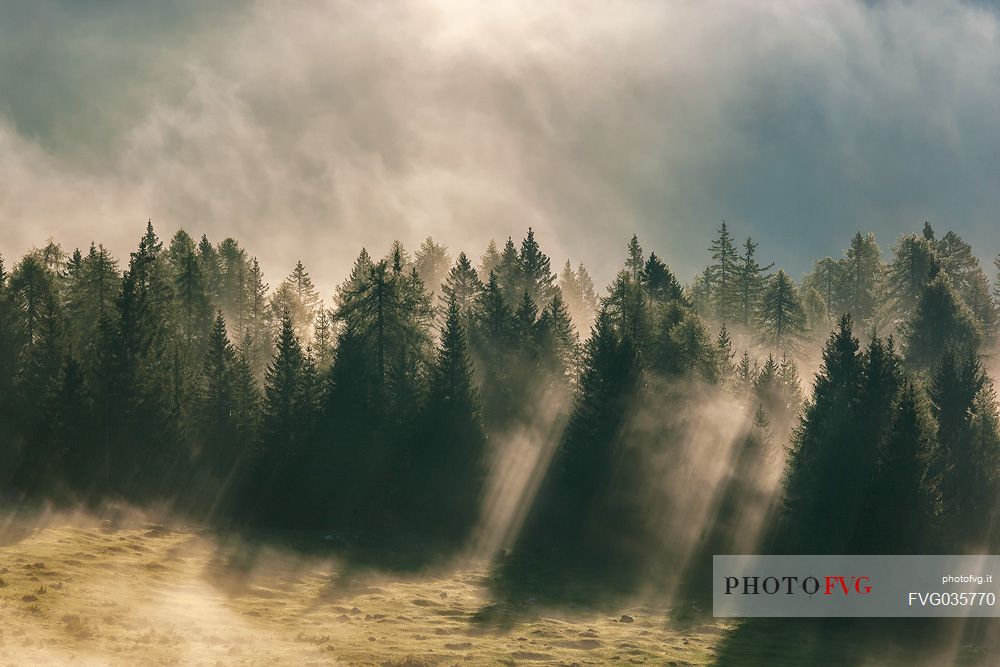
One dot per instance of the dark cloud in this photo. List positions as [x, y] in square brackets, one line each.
[308, 129]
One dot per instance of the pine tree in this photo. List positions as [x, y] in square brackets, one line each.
[558, 341]
[75, 453]
[493, 345]
[905, 498]
[32, 296]
[969, 448]
[323, 339]
[968, 278]
[37, 380]
[464, 286]
[391, 311]
[299, 297]
[766, 385]
[211, 267]
[687, 349]
[91, 293]
[447, 465]
[914, 261]
[490, 259]
[535, 270]
[8, 365]
[281, 427]
[431, 262]
[234, 288]
[724, 347]
[700, 293]
[746, 375]
[627, 307]
[257, 334]
[820, 497]
[750, 283]
[218, 426]
[146, 418]
[193, 310]
[782, 314]
[791, 386]
[928, 232]
[724, 276]
[816, 311]
[863, 271]
[577, 521]
[661, 284]
[941, 323]
[829, 278]
[589, 296]
[525, 318]
[635, 261]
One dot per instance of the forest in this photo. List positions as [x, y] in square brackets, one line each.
[438, 401]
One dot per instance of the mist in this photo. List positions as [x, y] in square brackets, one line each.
[416, 446]
[354, 124]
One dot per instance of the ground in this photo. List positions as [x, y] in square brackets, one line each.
[93, 593]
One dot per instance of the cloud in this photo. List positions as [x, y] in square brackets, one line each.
[309, 129]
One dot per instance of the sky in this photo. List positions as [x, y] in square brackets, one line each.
[307, 129]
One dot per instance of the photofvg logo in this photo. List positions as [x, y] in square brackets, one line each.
[861, 586]
[793, 585]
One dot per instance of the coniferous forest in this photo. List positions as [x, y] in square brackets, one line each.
[440, 401]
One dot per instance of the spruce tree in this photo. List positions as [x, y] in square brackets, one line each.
[535, 270]
[146, 420]
[431, 262]
[821, 500]
[493, 339]
[588, 295]
[969, 448]
[76, 455]
[234, 285]
[750, 282]
[962, 266]
[211, 267]
[447, 461]
[299, 297]
[724, 276]
[724, 348]
[745, 375]
[464, 286]
[941, 323]
[913, 265]
[782, 315]
[323, 339]
[829, 278]
[904, 504]
[91, 294]
[558, 341]
[635, 261]
[490, 259]
[661, 284]
[281, 393]
[257, 334]
[218, 426]
[8, 365]
[863, 271]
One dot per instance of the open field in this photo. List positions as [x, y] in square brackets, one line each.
[146, 594]
[82, 591]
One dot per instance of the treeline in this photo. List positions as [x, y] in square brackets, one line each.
[887, 298]
[183, 376]
[895, 450]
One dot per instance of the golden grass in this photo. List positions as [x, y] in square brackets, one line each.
[152, 596]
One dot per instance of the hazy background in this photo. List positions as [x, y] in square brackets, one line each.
[307, 129]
